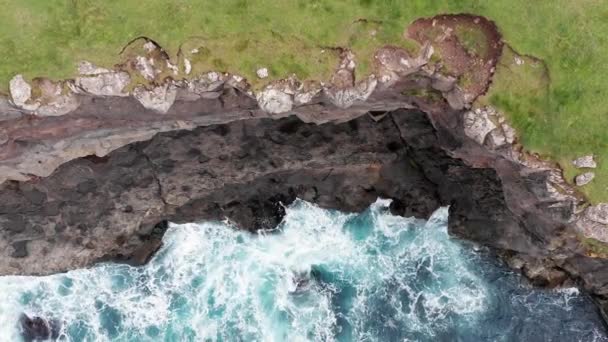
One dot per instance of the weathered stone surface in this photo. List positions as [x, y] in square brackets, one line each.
[275, 101]
[103, 84]
[89, 69]
[478, 124]
[240, 170]
[584, 179]
[145, 66]
[158, 99]
[585, 162]
[21, 93]
[8, 111]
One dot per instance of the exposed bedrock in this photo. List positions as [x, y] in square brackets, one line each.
[116, 207]
[93, 208]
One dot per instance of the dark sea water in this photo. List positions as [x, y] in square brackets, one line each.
[321, 276]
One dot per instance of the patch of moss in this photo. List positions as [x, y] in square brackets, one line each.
[595, 247]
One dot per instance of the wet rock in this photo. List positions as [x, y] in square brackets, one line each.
[584, 179]
[38, 329]
[585, 162]
[159, 99]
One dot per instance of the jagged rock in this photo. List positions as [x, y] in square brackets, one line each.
[208, 84]
[56, 99]
[38, 329]
[89, 69]
[145, 66]
[21, 93]
[509, 132]
[103, 84]
[478, 124]
[585, 162]
[274, 101]
[394, 63]
[306, 92]
[262, 72]
[598, 213]
[584, 178]
[346, 97]
[159, 99]
[593, 222]
[456, 98]
[443, 83]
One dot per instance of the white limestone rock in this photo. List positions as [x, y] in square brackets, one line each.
[346, 97]
[585, 162]
[145, 66]
[274, 101]
[478, 124]
[262, 72]
[21, 93]
[598, 213]
[159, 99]
[584, 179]
[110, 83]
[187, 66]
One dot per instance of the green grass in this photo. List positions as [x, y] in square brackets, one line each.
[565, 119]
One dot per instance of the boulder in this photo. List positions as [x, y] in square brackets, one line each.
[274, 101]
[21, 93]
[598, 213]
[262, 72]
[159, 99]
[346, 97]
[479, 123]
[584, 178]
[38, 329]
[206, 84]
[585, 162]
[110, 83]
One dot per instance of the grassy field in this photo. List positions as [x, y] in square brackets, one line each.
[561, 115]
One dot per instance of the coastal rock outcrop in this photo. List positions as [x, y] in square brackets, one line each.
[101, 181]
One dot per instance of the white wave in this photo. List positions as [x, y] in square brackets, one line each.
[210, 281]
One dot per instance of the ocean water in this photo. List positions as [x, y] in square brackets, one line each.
[320, 276]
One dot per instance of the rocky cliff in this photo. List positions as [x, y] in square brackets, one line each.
[94, 173]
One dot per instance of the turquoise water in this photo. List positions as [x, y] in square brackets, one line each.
[321, 276]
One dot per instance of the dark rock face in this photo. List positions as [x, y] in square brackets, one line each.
[38, 329]
[117, 207]
[93, 208]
